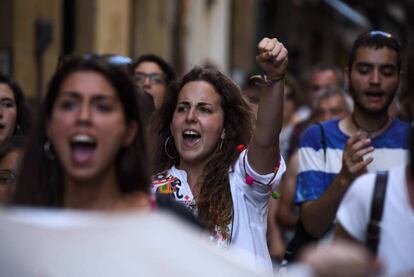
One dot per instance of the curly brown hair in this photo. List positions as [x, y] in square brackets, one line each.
[214, 203]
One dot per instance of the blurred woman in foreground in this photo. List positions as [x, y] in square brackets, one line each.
[87, 151]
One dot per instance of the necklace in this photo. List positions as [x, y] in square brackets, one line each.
[370, 132]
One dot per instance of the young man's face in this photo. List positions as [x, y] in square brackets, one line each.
[374, 78]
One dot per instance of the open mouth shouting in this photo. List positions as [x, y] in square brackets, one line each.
[191, 138]
[82, 149]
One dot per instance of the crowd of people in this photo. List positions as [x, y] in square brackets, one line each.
[266, 169]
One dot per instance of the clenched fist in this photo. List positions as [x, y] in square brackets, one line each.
[272, 57]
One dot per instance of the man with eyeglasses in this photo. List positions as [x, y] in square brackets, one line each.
[154, 75]
[366, 140]
[10, 154]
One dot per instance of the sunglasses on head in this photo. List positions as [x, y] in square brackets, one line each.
[116, 60]
[382, 35]
[379, 34]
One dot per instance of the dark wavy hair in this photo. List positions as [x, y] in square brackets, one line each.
[375, 39]
[41, 179]
[214, 203]
[23, 112]
[14, 143]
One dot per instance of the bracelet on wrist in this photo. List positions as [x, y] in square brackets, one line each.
[265, 81]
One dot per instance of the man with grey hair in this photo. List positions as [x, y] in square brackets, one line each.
[331, 102]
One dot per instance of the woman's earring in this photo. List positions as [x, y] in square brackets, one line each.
[221, 145]
[48, 151]
[166, 149]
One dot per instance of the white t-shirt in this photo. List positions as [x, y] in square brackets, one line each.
[250, 202]
[397, 226]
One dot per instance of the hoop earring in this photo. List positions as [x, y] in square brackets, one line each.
[48, 152]
[166, 149]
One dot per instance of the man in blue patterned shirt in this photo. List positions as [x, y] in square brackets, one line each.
[333, 154]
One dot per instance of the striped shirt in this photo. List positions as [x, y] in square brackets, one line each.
[318, 167]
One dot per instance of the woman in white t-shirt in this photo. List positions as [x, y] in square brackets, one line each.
[202, 128]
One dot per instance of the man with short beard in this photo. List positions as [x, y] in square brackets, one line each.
[330, 158]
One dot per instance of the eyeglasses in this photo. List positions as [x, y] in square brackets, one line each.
[155, 78]
[7, 177]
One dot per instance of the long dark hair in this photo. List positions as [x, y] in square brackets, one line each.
[214, 202]
[41, 181]
[13, 143]
[23, 112]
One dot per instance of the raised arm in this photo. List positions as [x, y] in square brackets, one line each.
[264, 147]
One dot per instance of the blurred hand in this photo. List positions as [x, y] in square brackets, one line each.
[340, 259]
[353, 162]
[272, 57]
